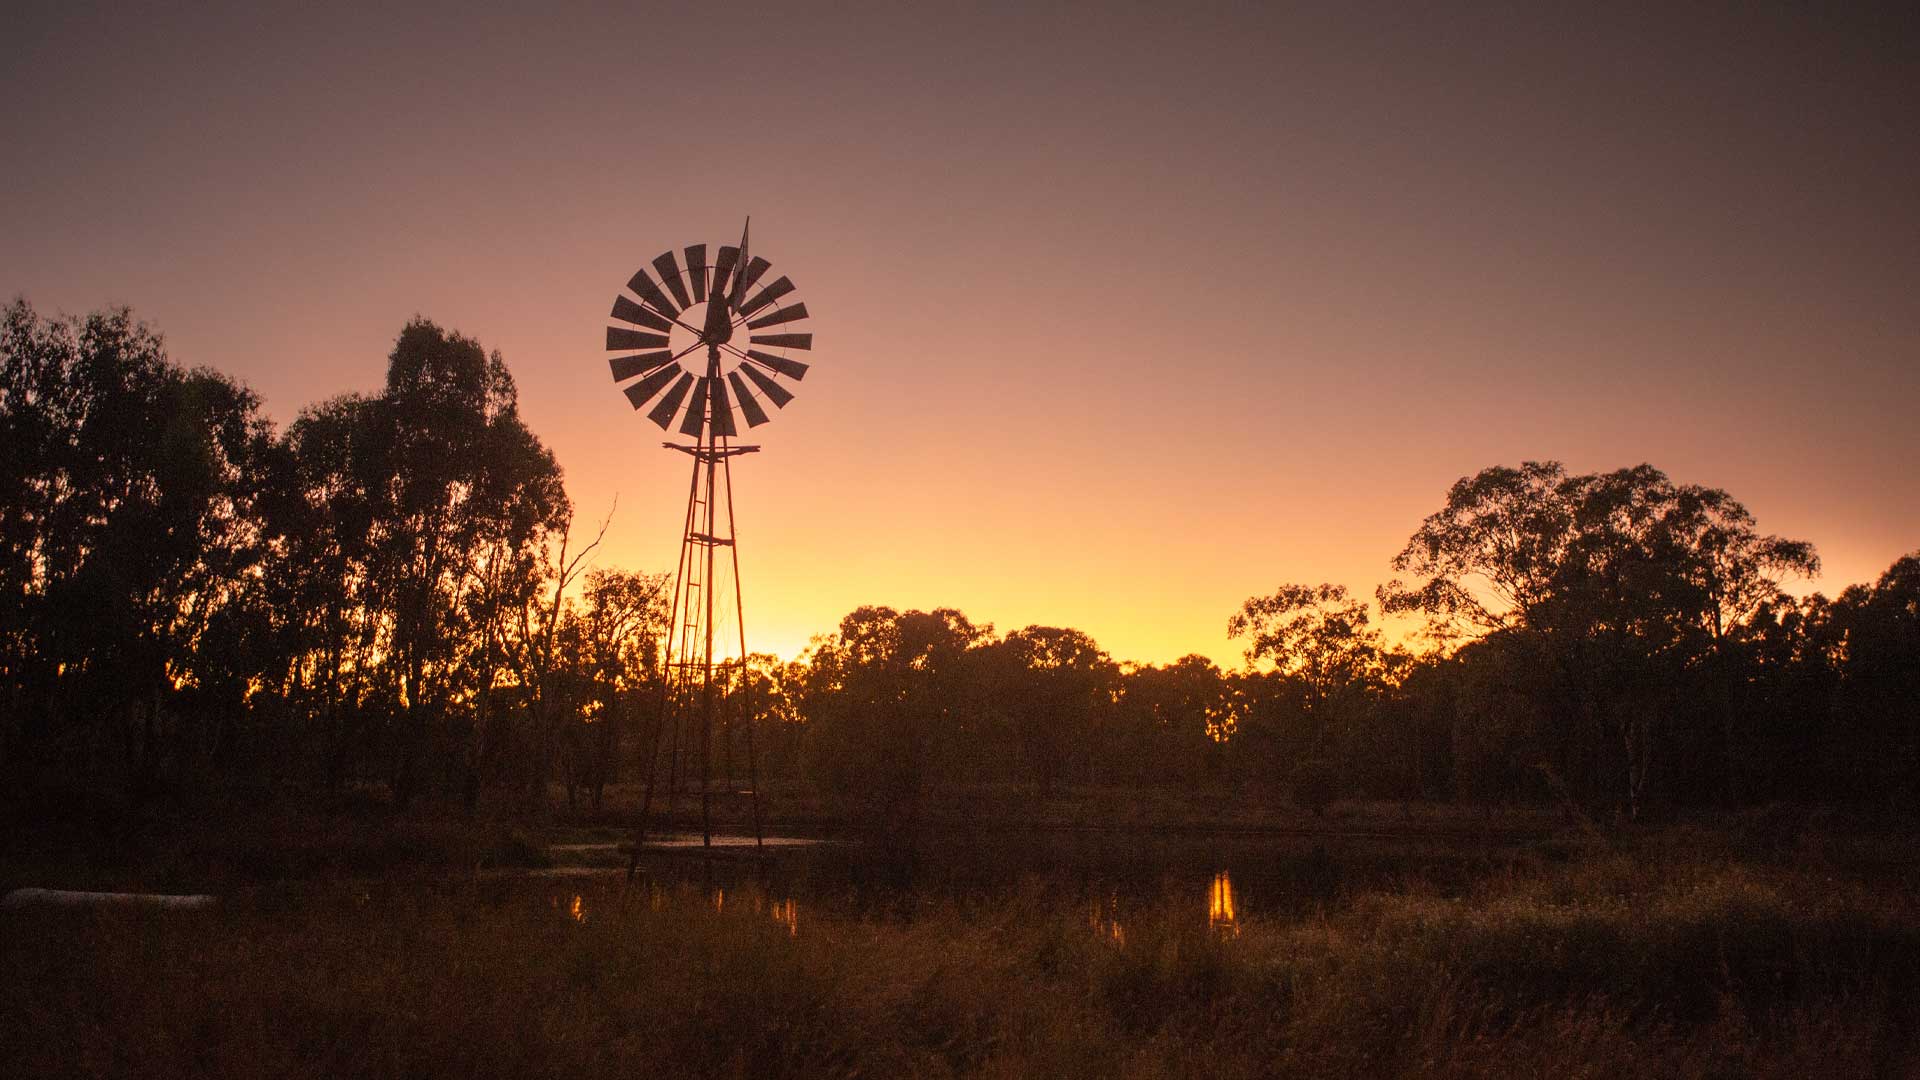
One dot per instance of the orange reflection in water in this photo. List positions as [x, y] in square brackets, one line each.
[578, 909]
[784, 912]
[1220, 916]
[1104, 917]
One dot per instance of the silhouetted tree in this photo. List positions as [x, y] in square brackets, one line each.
[887, 704]
[1328, 672]
[129, 532]
[1623, 585]
[1875, 632]
[457, 477]
[1054, 687]
[610, 646]
[1170, 725]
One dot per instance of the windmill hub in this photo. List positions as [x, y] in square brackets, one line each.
[687, 341]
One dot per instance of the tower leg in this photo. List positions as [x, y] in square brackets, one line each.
[689, 645]
[665, 712]
[746, 673]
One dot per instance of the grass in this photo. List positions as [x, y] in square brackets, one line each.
[1680, 957]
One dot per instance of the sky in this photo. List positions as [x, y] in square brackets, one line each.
[1122, 313]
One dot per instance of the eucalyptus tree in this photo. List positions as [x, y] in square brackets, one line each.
[1322, 670]
[1172, 723]
[325, 599]
[608, 652]
[1875, 635]
[888, 703]
[425, 508]
[129, 524]
[1057, 690]
[1622, 585]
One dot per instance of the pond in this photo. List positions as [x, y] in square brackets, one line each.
[1109, 875]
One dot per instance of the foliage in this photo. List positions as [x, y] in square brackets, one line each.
[1623, 590]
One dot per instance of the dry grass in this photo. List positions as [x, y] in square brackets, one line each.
[1664, 963]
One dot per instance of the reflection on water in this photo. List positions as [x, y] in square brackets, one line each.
[1128, 888]
[787, 915]
[1104, 917]
[784, 911]
[1220, 916]
[1103, 912]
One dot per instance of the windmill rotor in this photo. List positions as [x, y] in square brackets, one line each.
[701, 342]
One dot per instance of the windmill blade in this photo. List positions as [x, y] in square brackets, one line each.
[755, 414]
[668, 268]
[618, 339]
[780, 315]
[792, 369]
[767, 296]
[722, 410]
[627, 311]
[643, 287]
[723, 265]
[755, 267]
[662, 413]
[776, 393]
[642, 392]
[785, 341]
[697, 411]
[626, 367]
[697, 271]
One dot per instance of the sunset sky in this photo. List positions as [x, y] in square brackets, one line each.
[1123, 313]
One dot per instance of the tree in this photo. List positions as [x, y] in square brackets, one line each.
[887, 705]
[1875, 637]
[1623, 585]
[414, 523]
[129, 527]
[1170, 726]
[323, 597]
[1054, 686]
[1327, 670]
[1490, 556]
[611, 649]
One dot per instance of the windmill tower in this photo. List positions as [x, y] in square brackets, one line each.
[698, 344]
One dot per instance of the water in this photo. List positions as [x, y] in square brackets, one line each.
[1109, 876]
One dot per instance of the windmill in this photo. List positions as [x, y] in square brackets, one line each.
[699, 346]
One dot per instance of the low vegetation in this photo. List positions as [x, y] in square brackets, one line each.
[1695, 954]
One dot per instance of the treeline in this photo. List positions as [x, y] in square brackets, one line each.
[1614, 642]
[391, 590]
